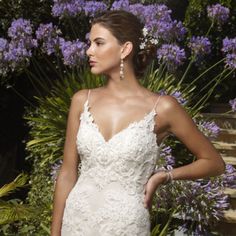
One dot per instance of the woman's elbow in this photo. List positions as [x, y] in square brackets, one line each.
[220, 167]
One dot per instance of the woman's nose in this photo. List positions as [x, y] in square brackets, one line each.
[89, 51]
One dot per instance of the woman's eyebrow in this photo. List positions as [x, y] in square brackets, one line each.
[96, 39]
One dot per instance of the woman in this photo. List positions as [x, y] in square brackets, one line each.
[115, 132]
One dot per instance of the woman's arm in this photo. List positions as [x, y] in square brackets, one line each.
[176, 121]
[68, 174]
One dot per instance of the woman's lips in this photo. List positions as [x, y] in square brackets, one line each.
[92, 63]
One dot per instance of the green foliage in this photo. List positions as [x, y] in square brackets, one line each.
[197, 22]
[14, 209]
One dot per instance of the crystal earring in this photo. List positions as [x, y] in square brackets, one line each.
[122, 76]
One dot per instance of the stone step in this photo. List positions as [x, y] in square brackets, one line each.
[226, 149]
[219, 107]
[230, 160]
[225, 229]
[230, 216]
[232, 194]
[225, 121]
[227, 135]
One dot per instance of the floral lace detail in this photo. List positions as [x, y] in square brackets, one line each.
[107, 199]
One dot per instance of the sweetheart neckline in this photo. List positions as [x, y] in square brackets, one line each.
[136, 122]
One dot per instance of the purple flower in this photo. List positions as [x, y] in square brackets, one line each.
[218, 13]
[138, 9]
[172, 55]
[19, 49]
[70, 8]
[17, 53]
[55, 169]
[166, 154]
[3, 45]
[49, 35]
[233, 104]
[231, 61]
[229, 177]
[200, 203]
[92, 7]
[178, 95]
[229, 48]
[73, 52]
[20, 28]
[229, 45]
[3, 64]
[163, 13]
[120, 4]
[157, 19]
[200, 46]
[209, 128]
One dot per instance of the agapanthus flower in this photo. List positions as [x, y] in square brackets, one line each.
[73, 52]
[138, 9]
[92, 7]
[200, 203]
[172, 55]
[229, 48]
[3, 44]
[166, 155]
[20, 47]
[20, 33]
[163, 13]
[70, 8]
[179, 96]
[3, 64]
[157, 19]
[232, 103]
[49, 36]
[17, 55]
[120, 4]
[229, 45]
[55, 169]
[200, 46]
[229, 177]
[218, 13]
[20, 28]
[209, 128]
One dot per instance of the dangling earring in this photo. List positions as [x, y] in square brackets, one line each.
[122, 76]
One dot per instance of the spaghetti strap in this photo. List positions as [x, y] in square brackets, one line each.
[158, 99]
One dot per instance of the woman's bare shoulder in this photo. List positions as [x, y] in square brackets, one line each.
[78, 99]
[167, 105]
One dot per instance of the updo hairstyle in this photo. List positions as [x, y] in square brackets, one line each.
[125, 26]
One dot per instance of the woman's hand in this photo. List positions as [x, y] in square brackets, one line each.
[150, 188]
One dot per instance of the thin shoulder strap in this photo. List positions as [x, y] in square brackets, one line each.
[158, 99]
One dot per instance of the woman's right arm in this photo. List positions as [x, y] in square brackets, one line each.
[68, 174]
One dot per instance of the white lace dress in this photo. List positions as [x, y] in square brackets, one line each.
[107, 199]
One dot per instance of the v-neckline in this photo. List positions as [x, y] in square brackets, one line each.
[136, 122]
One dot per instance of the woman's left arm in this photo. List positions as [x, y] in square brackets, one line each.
[178, 122]
[209, 162]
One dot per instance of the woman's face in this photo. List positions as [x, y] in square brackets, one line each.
[104, 51]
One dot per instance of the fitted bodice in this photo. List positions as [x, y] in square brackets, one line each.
[110, 189]
[129, 157]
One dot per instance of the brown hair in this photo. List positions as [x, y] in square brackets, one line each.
[125, 26]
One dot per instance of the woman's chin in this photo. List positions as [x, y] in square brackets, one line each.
[95, 72]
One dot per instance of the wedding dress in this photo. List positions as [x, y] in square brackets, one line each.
[107, 199]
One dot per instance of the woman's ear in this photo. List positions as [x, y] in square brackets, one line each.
[126, 49]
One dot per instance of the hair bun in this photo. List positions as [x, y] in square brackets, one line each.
[144, 57]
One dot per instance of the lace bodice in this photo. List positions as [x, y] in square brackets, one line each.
[110, 190]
